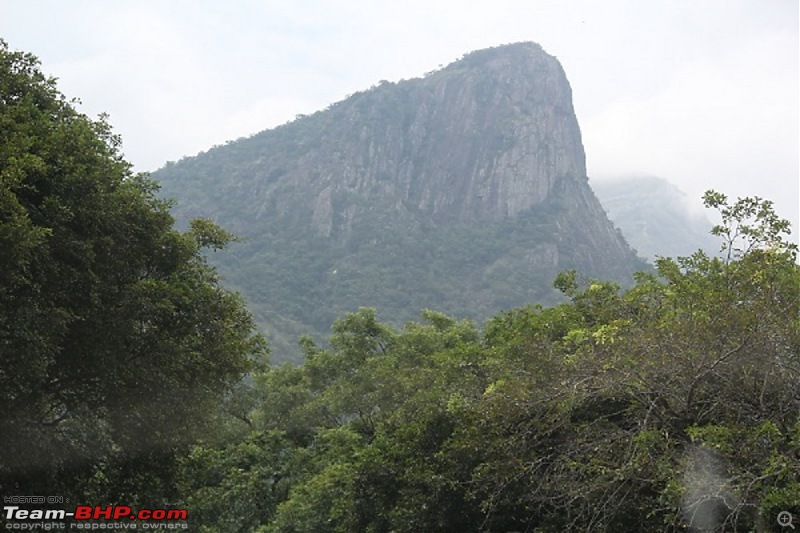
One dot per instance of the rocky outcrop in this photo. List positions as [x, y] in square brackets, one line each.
[475, 171]
[482, 139]
[485, 138]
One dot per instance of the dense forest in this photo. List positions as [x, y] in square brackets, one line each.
[129, 375]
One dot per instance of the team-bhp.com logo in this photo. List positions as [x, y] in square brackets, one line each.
[87, 517]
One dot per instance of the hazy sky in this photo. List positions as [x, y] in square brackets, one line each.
[701, 92]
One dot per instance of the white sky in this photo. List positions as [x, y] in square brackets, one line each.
[701, 92]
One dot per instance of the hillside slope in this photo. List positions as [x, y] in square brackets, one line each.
[464, 191]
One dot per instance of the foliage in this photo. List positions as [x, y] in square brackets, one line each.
[300, 282]
[668, 406]
[117, 342]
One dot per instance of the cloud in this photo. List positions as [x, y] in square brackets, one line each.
[729, 123]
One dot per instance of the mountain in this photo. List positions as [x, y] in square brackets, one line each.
[656, 217]
[463, 191]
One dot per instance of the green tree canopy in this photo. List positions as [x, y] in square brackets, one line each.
[116, 339]
[670, 406]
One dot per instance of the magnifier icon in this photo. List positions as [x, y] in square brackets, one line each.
[785, 519]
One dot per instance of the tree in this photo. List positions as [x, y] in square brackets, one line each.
[116, 339]
[676, 403]
[670, 406]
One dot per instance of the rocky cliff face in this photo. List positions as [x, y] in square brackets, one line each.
[485, 138]
[471, 179]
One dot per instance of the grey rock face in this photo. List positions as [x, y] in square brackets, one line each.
[486, 138]
[464, 191]
[482, 139]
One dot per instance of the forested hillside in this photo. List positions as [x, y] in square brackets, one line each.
[670, 406]
[464, 190]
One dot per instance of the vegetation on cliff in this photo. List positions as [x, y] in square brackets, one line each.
[464, 191]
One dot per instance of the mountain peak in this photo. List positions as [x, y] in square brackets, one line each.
[486, 137]
[481, 160]
[519, 54]
[490, 134]
[520, 61]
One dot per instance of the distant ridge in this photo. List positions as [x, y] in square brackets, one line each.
[464, 191]
[655, 217]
